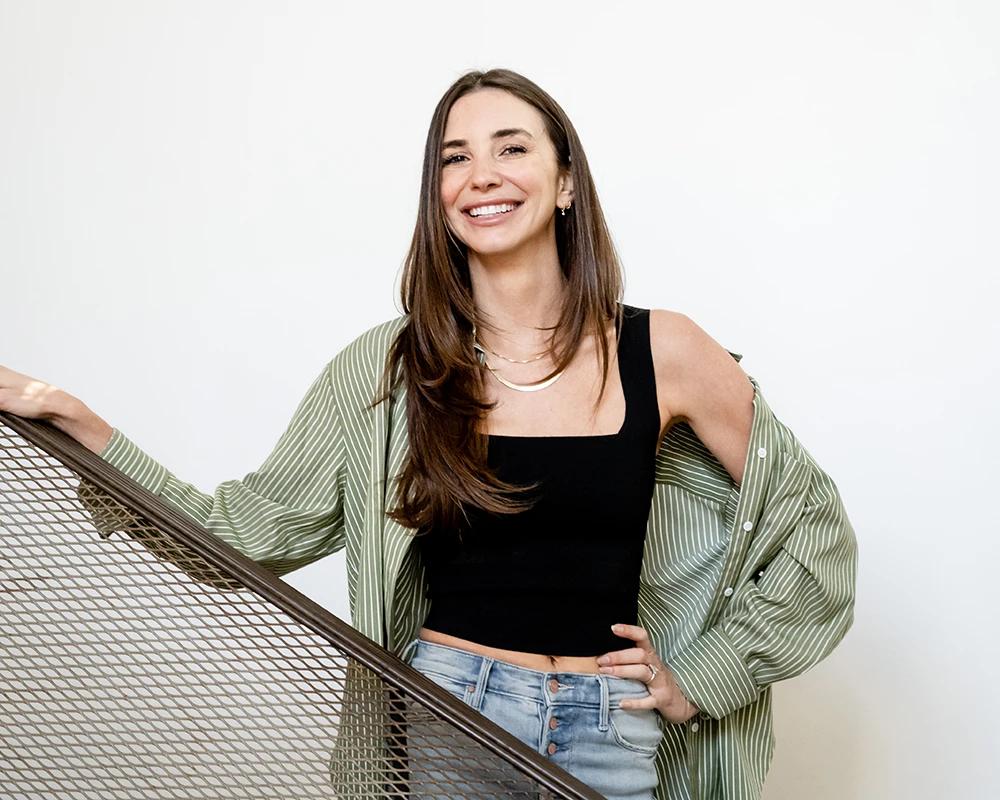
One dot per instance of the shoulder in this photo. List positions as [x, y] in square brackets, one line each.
[698, 381]
[663, 323]
[371, 346]
[362, 363]
[376, 340]
[680, 345]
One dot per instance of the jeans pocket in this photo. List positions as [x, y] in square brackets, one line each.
[636, 729]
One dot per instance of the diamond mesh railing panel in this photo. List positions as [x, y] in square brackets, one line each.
[140, 657]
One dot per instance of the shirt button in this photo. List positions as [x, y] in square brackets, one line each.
[729, 591]
[553, 723]
[761, 453]
[552, 749]
[695, 726]
[748, 525]
[553, 686]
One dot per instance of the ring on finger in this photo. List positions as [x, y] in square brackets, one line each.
[652, 674]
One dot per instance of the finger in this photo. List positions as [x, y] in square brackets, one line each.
[633, 672]
[634, 655]
[633, 632]
[633, 703]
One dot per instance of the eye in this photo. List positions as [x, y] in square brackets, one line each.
[514, 149]
[455, 158]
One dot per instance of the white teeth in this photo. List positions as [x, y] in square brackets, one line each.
[483, 211]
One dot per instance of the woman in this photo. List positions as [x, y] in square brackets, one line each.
[532, 430]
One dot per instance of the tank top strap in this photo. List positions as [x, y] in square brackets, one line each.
[635, 365]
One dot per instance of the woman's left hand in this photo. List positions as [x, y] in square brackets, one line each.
[664, 693]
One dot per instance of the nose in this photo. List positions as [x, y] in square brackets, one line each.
[485, 174]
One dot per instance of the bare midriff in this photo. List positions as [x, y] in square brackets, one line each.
[543, 663]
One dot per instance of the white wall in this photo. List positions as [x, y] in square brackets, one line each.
[201, 202]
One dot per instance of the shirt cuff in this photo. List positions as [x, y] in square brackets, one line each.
[713, 676]
[123, 454]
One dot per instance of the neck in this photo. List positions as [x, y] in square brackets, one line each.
[518, 299]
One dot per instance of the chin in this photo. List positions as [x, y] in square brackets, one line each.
[490, 247]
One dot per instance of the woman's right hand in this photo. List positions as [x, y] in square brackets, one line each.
[27, 397]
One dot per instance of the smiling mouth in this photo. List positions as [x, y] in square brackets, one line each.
[492, 211]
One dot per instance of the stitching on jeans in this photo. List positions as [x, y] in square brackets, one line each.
[649, 751]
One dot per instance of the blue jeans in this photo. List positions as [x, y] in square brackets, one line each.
[572, 718]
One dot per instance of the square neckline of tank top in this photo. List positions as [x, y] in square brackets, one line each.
[585, 436]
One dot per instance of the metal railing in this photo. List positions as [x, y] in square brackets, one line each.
[141, 657]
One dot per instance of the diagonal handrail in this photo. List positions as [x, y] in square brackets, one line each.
[244, 571]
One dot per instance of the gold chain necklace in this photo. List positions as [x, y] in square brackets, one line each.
[475, 338]
[517, 387]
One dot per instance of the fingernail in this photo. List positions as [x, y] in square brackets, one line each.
[616, 628]
[605, 670]
[602, 660]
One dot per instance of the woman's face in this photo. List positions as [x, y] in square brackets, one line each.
[500, 181]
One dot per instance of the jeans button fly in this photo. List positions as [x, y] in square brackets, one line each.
[553, 723]
[553, 686]
[552, 749]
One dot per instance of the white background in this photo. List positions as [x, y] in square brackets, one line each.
[202, 202]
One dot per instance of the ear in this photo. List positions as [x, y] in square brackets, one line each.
[565, 195]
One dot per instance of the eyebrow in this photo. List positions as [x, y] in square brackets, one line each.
[503, 133]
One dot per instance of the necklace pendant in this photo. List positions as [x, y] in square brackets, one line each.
[525, 387]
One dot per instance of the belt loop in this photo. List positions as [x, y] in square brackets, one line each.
[484, 678]
[410, 651]
[605, 704]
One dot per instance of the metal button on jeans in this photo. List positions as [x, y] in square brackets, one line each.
[553, 686]
[552, 749]
[553, 723]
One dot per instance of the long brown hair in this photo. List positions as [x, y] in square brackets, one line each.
[433, 357]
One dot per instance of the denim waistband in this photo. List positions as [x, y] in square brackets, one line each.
[547, 688]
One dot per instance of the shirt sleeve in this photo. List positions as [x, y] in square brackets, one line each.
[793, 598]
[286, 514]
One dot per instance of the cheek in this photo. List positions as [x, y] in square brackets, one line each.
[535, 183]
[450, 188]
[452, 216]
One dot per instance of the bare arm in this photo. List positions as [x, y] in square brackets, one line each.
[699, 383]
[35, 399]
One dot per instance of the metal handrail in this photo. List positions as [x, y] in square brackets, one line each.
[404, 680]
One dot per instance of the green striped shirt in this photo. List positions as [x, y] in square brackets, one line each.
[741, 586]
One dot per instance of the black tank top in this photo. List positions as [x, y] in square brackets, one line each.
[554, 578]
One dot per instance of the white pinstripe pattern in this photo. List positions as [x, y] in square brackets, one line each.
[731, 610]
